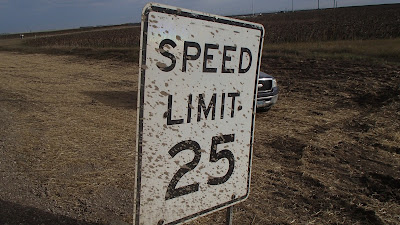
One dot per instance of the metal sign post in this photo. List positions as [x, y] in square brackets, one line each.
[229, 215]
[196, 112]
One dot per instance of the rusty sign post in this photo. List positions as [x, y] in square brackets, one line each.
[196, 113]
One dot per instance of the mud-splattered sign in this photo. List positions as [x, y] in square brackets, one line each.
[198, 87]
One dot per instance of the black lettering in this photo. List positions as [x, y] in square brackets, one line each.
[206, 110]
[189, 109]
[227, 58]
[186, 57]
[223, 106]
[216, 156]
[233, 96]
[243, 50]
[167, 54]
[172, 190]
[169, 120]
[208, 57]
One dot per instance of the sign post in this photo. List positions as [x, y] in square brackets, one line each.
[196, 112]
[229, 215]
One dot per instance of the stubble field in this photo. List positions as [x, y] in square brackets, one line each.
[326, 153]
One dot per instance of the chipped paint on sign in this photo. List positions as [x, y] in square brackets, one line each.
[198, 86]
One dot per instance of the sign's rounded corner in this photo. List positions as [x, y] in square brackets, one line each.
[148, 8]
[246, 196]
[243, 197]
[262, 29]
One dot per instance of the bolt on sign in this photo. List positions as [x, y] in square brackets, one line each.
[196, 112]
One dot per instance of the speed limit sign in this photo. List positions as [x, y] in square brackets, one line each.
[196, 111]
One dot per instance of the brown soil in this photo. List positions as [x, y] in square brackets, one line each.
[327, 153]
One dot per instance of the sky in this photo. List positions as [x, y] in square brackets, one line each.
[22, 16]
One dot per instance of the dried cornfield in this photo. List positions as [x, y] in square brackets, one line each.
[127, 36]
[351, 23]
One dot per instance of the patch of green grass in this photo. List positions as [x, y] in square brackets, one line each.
[381, 50]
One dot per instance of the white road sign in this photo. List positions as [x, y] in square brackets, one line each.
[196, 112]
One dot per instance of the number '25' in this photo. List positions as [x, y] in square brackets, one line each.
[172, 191]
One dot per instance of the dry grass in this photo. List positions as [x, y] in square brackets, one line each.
[68, 136]
[326, 153]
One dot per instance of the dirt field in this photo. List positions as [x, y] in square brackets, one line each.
[327, 153]
[67, 140]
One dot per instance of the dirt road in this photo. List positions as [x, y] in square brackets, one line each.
[328, 152]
